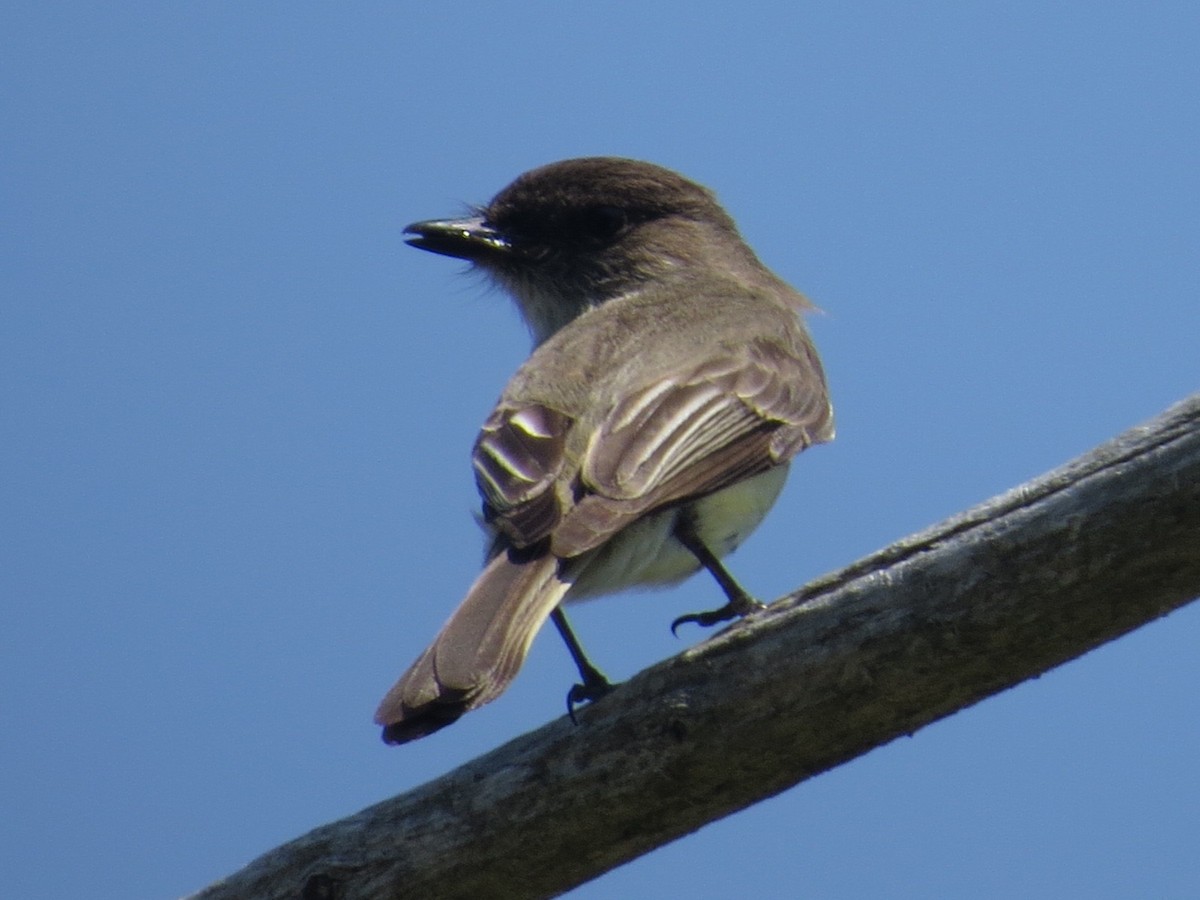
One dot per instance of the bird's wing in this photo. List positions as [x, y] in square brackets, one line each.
[518, 457]
[730, 417]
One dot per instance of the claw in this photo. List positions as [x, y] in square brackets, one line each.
[594, 689]
[743, 606]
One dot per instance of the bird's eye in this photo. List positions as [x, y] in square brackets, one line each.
[516, 224]
[603, 222]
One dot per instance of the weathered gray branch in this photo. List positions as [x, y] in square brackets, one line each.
[930, 625]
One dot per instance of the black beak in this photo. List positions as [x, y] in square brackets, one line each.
[470, 238]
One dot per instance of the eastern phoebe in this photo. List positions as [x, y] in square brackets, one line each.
[648, 433]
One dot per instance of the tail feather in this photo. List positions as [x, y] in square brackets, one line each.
[479, 650]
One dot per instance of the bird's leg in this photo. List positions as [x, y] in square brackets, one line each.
[593, 685]
[740, 602]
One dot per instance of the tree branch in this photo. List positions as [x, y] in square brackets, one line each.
[928, 626]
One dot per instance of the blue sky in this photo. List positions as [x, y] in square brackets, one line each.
[237, 501]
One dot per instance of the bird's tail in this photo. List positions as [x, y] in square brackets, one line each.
[479, 650]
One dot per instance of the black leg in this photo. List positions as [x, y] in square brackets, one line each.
[593, 684]
[740, 602]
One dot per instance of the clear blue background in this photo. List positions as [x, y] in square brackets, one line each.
[237, 410]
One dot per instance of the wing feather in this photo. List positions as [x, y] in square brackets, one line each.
[518, 457]
[727, 418]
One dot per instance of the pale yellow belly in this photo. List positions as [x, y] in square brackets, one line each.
[646, 553]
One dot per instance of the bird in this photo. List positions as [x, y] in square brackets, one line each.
[650, 430]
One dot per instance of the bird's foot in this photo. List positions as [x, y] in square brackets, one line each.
[740, 605]
[593, 687]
